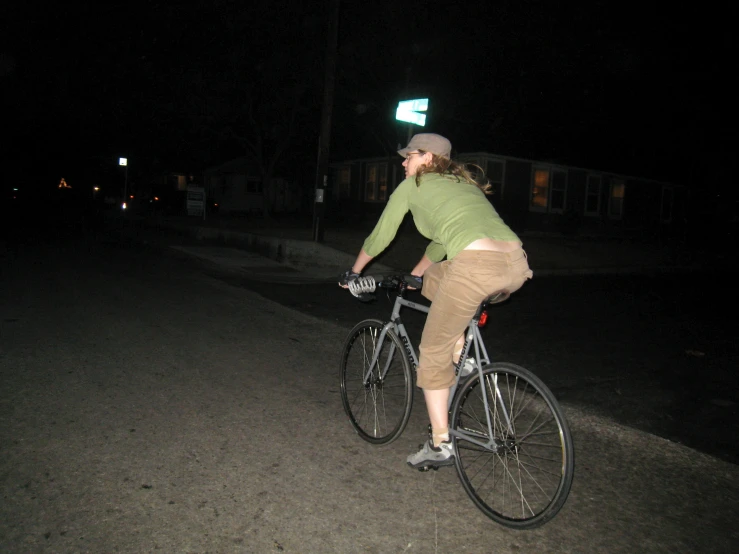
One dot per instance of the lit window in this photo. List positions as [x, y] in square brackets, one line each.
[540, 190]
[376, 183]
[382, 182]
[344, 182]
[616, 203]
[369, 190]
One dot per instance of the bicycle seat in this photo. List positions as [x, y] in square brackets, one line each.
[496, 298]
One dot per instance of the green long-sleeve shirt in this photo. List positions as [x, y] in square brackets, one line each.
[450, 213]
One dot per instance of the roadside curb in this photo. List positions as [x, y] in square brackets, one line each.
[301, 254]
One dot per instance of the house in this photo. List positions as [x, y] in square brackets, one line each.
[534, 196]
[236, 186]
[163, 191]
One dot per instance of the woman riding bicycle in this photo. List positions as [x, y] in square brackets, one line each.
[483, 256]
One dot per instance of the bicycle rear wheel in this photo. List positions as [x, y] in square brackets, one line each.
[379, 407]
[523, 476]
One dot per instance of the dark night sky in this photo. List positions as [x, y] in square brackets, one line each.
[600, 85]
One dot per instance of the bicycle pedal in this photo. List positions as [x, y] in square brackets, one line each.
[426, 468]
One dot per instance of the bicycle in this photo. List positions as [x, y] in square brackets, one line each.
[513, 450]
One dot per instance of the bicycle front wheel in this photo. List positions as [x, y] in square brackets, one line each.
[378, 400]
[522, 475]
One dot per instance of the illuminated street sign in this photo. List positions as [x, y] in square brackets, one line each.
[122, 161]
[408, 110]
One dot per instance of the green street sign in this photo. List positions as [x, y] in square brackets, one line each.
[408, 110]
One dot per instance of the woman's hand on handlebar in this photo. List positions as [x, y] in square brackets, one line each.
[346, 277]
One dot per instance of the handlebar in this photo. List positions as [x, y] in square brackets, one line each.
[364, 287]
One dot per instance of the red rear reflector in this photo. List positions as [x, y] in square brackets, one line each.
[483, 319]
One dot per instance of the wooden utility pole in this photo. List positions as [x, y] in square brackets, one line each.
[324, 142]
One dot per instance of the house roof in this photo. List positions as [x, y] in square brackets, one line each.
[465, 156]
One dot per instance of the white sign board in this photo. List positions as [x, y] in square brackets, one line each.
[408, 110]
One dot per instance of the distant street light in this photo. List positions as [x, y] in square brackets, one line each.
[124, 163]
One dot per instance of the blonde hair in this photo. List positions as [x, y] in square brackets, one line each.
[446, 166]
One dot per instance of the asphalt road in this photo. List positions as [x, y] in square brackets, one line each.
[652, 352]
[150, 403]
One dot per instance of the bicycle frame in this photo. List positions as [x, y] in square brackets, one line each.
[473, 337]
[398, 327]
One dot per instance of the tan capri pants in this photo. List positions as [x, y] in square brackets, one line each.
[456, 288]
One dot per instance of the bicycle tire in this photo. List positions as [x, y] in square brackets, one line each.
[526, 482]
[378, 410]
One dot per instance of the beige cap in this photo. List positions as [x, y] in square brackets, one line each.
[428, 142]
